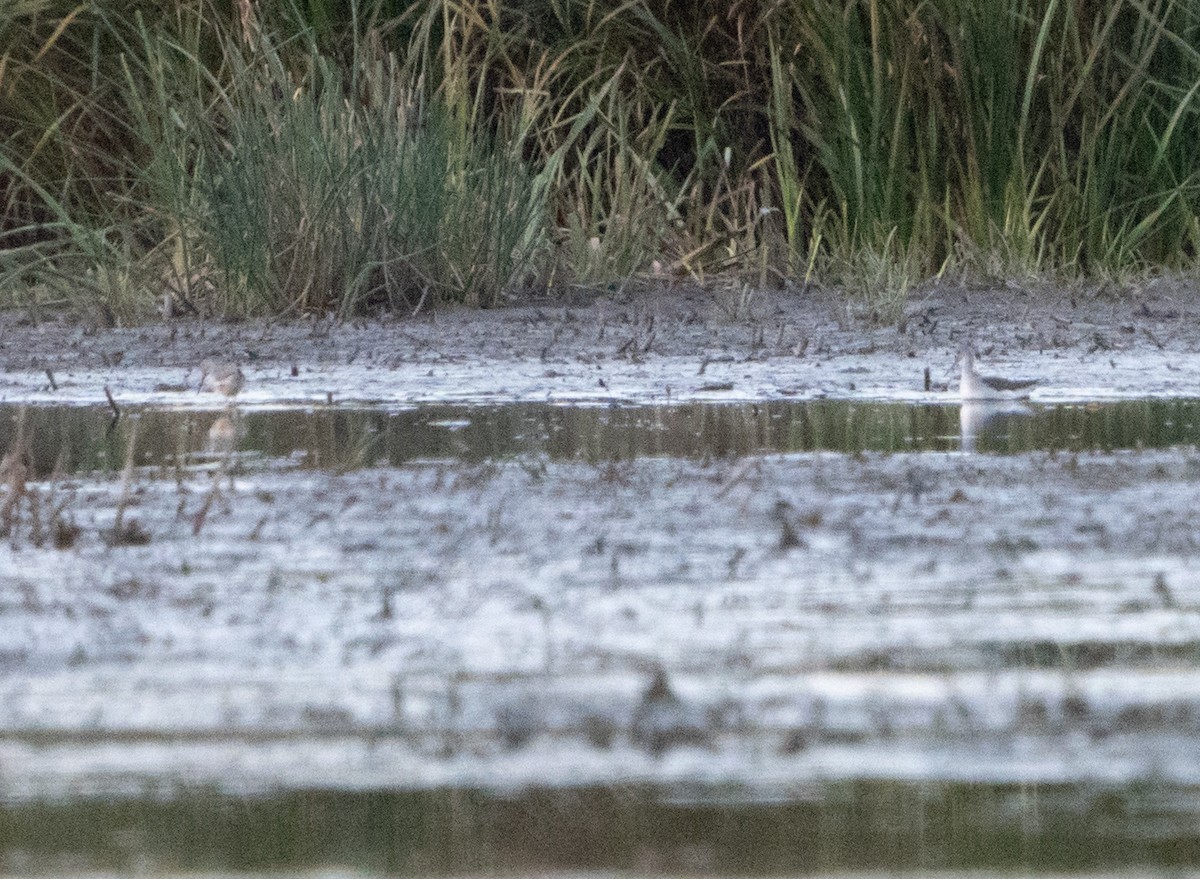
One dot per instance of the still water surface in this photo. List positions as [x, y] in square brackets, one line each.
[865, 826]
[81, 439]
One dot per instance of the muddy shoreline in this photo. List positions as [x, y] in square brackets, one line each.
[671, 345]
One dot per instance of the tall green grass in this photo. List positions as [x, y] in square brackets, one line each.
[277, 157]
[313, 203]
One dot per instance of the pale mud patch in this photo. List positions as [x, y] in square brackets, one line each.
[820, 617]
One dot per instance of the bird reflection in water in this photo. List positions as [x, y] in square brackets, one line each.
[989, 422]
[224, 433]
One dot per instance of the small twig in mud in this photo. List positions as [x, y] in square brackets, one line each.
[65, 532]
[1163, 592]
[63, 529]
[179, 459]
[757, 338]
[123, 534]
[112, 404]
[789, 538]
[36, 535]
[50, 376]
[256, 531]
[731, 565]
[738, 474]
[554, 335]
[202, 514]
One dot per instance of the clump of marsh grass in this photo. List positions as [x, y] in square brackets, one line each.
[621, 208]
[68, 230]
[282, 157]
[334, 190]
[318, 210]
[878, 282]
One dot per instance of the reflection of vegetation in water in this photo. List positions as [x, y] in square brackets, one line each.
[87, 439]
[1153, 423]
[1102, 427]
[855, 825]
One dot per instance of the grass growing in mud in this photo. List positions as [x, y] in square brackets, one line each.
[38, 514]
[264, 158]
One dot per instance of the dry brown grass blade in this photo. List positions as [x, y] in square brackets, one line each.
[14, 472]
[62, 25]
[127, 533]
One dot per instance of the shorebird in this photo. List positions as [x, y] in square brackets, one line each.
[662, 720]
[224, 378]
[986, 387]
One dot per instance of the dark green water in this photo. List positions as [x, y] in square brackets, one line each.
[861, 826]
[86, 439]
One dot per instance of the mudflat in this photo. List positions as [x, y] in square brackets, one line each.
[640, 347]
[790, 622]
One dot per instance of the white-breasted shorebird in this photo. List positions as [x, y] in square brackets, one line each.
[223, 378]
[986, 387]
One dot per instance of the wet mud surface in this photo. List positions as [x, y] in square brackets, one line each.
[741, 626]
[817, 616]
[677, 345]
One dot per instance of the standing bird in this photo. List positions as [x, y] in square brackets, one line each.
[223, 378]
[662, 720]
[986, 387]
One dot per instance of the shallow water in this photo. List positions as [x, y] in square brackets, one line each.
[82, 439]
[593, 831]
